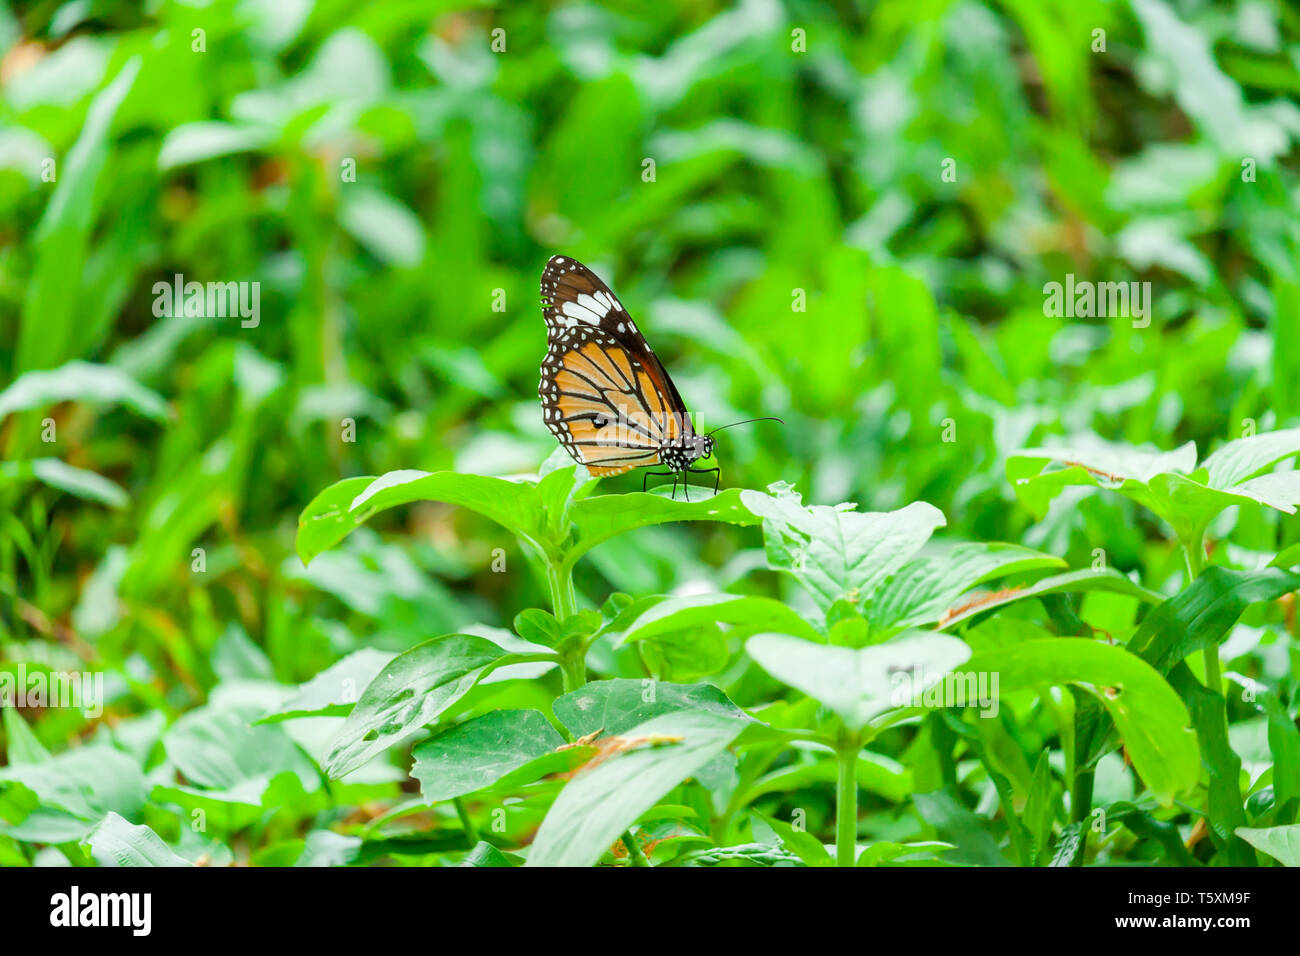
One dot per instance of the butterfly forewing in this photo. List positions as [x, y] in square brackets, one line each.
[605, 396]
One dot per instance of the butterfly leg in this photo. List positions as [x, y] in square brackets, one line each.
[716, 472]
[655, 474]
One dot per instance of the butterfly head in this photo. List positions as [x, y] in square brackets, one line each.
[680, 453]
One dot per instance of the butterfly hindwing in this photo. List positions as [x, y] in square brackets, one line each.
[605, 396]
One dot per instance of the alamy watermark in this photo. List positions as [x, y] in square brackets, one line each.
[1083, 299]
[213, 300]
[914, 687]
[44, 688]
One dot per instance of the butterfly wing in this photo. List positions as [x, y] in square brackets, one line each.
[605, 396]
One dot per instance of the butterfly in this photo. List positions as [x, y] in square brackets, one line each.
[605, 395]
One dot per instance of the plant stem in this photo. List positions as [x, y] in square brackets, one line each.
[564, 600]
[564, 604]
[634, 854]
[466, 823]
[1081, 810]
[846, 801]
[574, 670]
[1194, 553]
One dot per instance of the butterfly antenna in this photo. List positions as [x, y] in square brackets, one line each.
[746, 422]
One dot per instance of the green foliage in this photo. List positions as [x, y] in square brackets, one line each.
[1015, 584]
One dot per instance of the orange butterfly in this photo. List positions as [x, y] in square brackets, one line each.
[605, 395]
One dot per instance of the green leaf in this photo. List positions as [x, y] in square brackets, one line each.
[58, 474]
[208, 139]
[1164, 482]
[1149, 715]
[930, 584]
[21, 745]
[745, 614]
[1222, 765]
[1088, 579]
[602, 517]
[886, 852]
[1281, 843]
[327, 848]
[410, 692]
[88, 782]
[966, 831]
[538, 626]
[1201, 615]
[389, 230]
[543, 516]
[479, 752]
[116, 842]
[334, 691]
[485, 854]
[860, 684]
[81, 382]
[49, 330]
[1041, 808]
[799, 842]
[1246, 457]
[346, 505]
[601, 802]
[218, 748]
[615, 706]
[838, 553]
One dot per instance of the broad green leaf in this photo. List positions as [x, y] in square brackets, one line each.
[1221, 764]
[1148, 827]
[544, 516]
[799, 842]
[838, 553]
[538, 626]
[745, 614]
[49, 332]
[1106, 579]
[387, 228]
[614, 706]
[887, 852]
[1091, 462]
[58, 474]
[1246, 457]
[479, 752]
[117, 842]
[81, 382]
[1201, 615]
[599, 803]
[207, 139]
[971, 841]
[1169, 484]
[217, 747]
[1149, 715]
[334, 691]
[346, 505]
[485, 854]
[743, 854]
[930, 584]
[602, 517]
[410, 692]
[860, 684]
[21, 745]
[1281, 843]
[327, 848]
[87, 782]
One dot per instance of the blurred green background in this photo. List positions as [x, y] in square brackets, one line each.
[799, 149]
